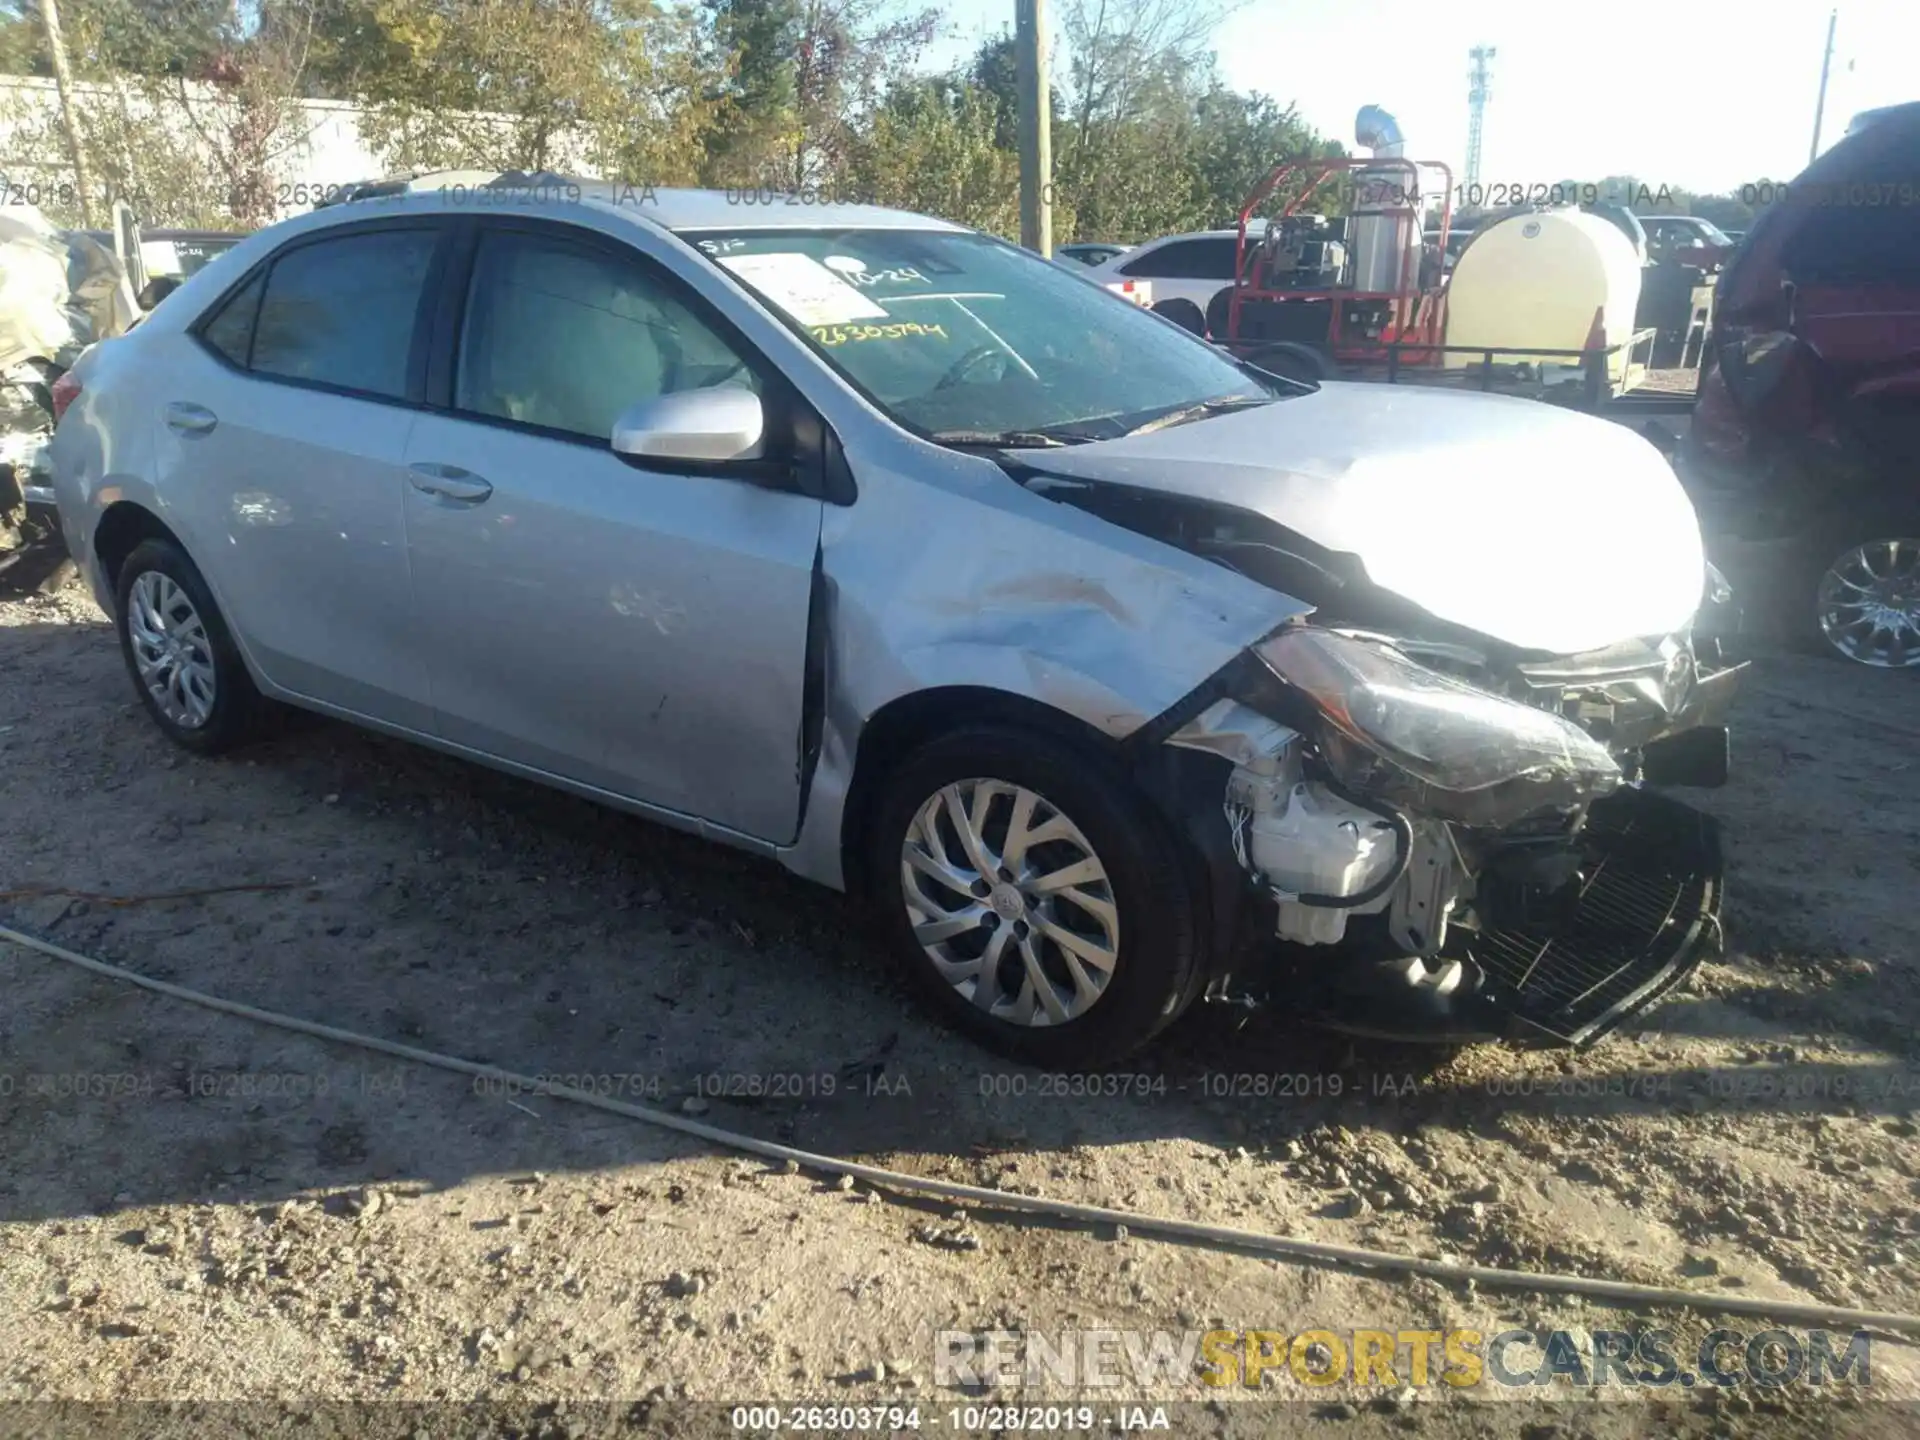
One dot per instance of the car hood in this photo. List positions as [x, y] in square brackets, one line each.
[1536, 526]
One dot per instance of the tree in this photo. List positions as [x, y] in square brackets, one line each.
[531, 85]
[994, 72]
[188, 105]
[1137, 70]
[1729, 212]
[56, 47]
[1237, 140]
[931, 146]
[751, 42]
[849, 53]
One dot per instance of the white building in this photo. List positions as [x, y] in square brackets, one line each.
[146, 151]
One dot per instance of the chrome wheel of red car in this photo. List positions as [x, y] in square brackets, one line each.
[1869, 604]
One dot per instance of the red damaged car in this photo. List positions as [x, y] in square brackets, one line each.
[1804, 454]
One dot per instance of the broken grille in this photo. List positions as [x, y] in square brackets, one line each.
[1649, 898]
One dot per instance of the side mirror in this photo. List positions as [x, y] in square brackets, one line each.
[157, 289]
[1755, 367]
[727, 423]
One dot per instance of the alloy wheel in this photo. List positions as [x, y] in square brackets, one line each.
[1869, 604]
[1010, 903]
[171, 649]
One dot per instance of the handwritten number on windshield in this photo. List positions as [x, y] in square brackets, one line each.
[831, 335]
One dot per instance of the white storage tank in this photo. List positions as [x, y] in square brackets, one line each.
[1537, 279]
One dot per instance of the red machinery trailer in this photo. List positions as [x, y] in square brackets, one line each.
[1364, 295]
[1354, 295]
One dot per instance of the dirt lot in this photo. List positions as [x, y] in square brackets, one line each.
[221, 1211]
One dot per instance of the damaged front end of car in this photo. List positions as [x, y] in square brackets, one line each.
[1445, 841]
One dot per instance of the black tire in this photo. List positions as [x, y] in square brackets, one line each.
[1291, 362]
[239, 714]
[1158, 950]
[1183, 313]
[1829, 545]
[1220, 313]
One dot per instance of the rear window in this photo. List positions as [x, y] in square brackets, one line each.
[1849, 216]
[338, 312]
[230, 331]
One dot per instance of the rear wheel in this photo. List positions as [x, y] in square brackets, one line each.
[180, 653]
[1183, 313]
[1033, 898]
[1866, 597]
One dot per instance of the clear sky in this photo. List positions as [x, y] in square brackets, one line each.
[1705, 94]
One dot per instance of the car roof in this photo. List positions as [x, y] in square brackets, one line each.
[668, 208]
[1908, 110]
[1231, 233]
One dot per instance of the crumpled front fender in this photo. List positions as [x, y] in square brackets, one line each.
[965, 579]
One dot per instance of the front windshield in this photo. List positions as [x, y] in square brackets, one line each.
[960, 336]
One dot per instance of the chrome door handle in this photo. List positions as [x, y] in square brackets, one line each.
[449, 482]
[188, 419]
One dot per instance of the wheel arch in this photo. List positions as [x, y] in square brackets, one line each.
[124, 525]
[909, 721]
[1184, 788]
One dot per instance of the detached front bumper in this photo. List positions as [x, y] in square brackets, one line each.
[1646, 914]
[1554, 924]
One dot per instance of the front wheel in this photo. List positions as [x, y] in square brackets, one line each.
[1034, 898]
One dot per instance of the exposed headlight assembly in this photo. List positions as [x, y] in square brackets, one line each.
[1397, 730]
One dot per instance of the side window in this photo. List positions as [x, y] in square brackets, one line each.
[567, 336]
[1849, 239]
[1213, 259]
[1210, 259]
[1167, 262]
[341, 311]
[230, 332]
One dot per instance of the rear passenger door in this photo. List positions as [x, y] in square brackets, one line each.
[281, 437]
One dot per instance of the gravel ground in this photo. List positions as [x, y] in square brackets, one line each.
[220, 1211]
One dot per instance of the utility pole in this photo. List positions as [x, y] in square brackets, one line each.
[1036, 127]
[1479, 91]
[63, 82]
[1826, 66]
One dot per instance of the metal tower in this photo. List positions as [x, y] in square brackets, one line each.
[1478, 90]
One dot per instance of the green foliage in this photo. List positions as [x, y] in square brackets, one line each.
[750, 45]
[194, 102]
[931, 146]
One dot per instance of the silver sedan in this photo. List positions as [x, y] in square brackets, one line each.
[1112, 673]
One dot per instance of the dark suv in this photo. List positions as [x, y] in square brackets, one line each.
[1804, 453]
